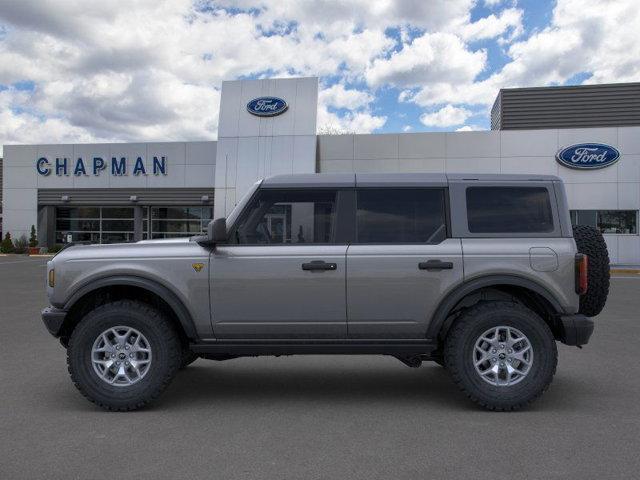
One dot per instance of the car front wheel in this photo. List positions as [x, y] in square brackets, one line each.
[122, 355]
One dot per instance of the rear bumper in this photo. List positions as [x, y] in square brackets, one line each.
[53, 319]
[575, 330]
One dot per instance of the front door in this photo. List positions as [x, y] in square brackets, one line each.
[283, 274]
[401, 263]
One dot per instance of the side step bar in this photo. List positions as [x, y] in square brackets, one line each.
[314, 347]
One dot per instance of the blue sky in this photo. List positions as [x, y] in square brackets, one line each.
[77, 71]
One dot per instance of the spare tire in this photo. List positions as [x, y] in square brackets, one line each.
[591, 242]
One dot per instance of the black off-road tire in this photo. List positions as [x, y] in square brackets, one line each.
[188, 357]
[163, 340]
[591, 242]
[460, 344]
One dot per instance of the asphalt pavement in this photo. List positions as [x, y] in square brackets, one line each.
[315, 417]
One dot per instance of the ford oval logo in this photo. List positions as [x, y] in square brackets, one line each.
[267, 106]
[588, 156]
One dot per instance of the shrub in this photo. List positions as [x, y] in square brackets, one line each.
[20, 245]
[56, 248]
[33, 238]
[7, 244]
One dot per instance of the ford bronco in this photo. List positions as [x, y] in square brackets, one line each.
[482, 274]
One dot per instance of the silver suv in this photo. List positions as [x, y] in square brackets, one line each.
[481, 274]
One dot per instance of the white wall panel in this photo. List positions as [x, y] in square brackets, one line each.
[375, 146]
[421, 165]
[375, 166]
[336, 147]
[628, 196]
[336, 166]
[20, 177]
[629, 140]
[200, 153]
[628, 168]
[421, 145]
[20, 155]
[571, 136]
[628, 249]
[199, 176]
[473, 144]
[529, 143]
[473, 165]
[592, 196]
[535, 165]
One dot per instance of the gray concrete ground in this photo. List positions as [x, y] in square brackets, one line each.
[315, 417]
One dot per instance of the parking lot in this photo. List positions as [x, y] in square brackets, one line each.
[316, 417]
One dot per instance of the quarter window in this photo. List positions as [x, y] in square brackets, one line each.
[607, 221]
[401, 216]
[509, 210]
[288, 217]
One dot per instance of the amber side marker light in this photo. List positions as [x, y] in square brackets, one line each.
[582, 268]
[52, 277]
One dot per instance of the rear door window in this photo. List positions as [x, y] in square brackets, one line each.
[509, 210]
[401, 215]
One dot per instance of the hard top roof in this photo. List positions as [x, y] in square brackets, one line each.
[324, 180]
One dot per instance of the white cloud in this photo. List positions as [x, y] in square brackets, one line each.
[447, 116]
[351, 122]
[492, 3]
[151, 70]
[469, 128]
[407, 128]
[338, 96]
[590, 36]
[509, 20]
[432, 57]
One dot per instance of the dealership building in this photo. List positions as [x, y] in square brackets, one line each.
[587, 135]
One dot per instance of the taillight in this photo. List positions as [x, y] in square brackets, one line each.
[582, 267]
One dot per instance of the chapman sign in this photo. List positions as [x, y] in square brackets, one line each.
[588, 156]
[117, 166]
[267, 106]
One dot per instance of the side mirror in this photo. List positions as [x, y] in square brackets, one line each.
[217, 230]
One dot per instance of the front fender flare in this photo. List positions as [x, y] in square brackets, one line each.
[178, 307]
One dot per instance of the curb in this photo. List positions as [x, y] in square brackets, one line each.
[625, 271]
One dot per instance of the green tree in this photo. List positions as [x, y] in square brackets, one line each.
[33, 238]
[7, 244]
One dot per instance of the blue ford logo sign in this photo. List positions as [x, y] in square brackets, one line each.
[588, 156]
[267, 106]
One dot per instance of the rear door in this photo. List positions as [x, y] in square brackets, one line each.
[283, 275]
[401, 262]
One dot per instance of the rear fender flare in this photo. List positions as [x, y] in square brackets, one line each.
[451, 300]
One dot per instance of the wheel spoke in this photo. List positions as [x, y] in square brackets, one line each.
[511, 365]
[121, 370]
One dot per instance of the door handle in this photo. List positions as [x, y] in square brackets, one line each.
[319, 265]
[435, 265]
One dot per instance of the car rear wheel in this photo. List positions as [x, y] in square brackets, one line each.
[501, 354]
[122, 355]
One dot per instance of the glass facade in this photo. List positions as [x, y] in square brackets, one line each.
[94, 224]
[608, 221]
[117, 224]
[173, 222]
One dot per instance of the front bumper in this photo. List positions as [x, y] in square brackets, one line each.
[53, 319]
[575, 330]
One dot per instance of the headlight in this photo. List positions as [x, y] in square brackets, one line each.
[52, 278]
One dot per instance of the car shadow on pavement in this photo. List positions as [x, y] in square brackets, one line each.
[203, 384]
